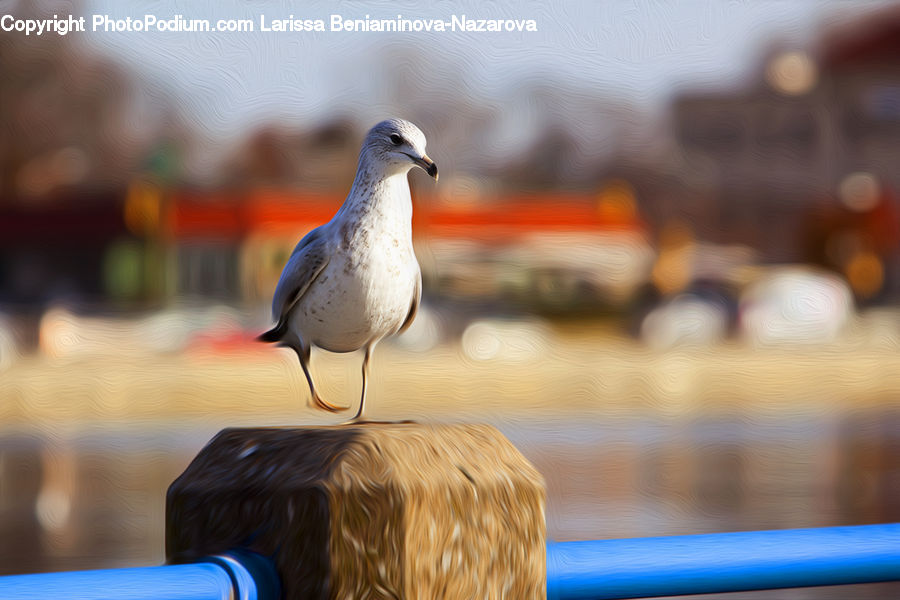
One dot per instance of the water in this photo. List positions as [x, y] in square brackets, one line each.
[95, 497]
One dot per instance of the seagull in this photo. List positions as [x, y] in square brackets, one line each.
[355, 280]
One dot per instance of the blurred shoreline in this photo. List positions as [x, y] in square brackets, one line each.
[566, 371]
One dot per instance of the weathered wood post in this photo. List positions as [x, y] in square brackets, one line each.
[369, 511]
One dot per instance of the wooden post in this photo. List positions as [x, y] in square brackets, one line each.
[370, 511]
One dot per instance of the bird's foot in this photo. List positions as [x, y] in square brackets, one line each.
[362, 421]
[327, 405]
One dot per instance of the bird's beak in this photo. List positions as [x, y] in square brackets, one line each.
[429, 166]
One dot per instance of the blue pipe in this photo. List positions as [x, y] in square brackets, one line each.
[722, 562]
[236, 575]
[630, 568]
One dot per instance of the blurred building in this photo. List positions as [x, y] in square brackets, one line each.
[97, 204]
[58, 252]
[801, 163]
[76, 131]
[546, 251]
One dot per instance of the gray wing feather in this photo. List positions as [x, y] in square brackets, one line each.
[307, 261]
[414, 305]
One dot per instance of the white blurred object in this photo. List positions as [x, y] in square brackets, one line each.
[860, 191]
[63, 333]
[685, 320]
[9, 349]
[424, 332]
[616, 262]
[516, 341]
[53, 509]
[795, 305]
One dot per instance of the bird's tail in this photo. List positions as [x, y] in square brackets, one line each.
[275, 334]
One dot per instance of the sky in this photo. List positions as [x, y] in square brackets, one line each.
[635, 51]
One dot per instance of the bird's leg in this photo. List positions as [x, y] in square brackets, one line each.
[365, 383]
[303, 354]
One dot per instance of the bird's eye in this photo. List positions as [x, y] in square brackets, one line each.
[396, 139]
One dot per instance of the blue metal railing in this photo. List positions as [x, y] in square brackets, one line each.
[722, 562]
[235, 575]
[627, 568]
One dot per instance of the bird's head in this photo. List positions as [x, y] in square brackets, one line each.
[399, 146]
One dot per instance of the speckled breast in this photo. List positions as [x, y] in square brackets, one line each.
[360, 296]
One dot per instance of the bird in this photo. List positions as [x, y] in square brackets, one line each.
[355, 280]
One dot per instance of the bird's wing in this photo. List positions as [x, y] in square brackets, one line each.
[414, 304]
[305, 264]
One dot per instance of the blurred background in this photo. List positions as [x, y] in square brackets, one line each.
[663, 257]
